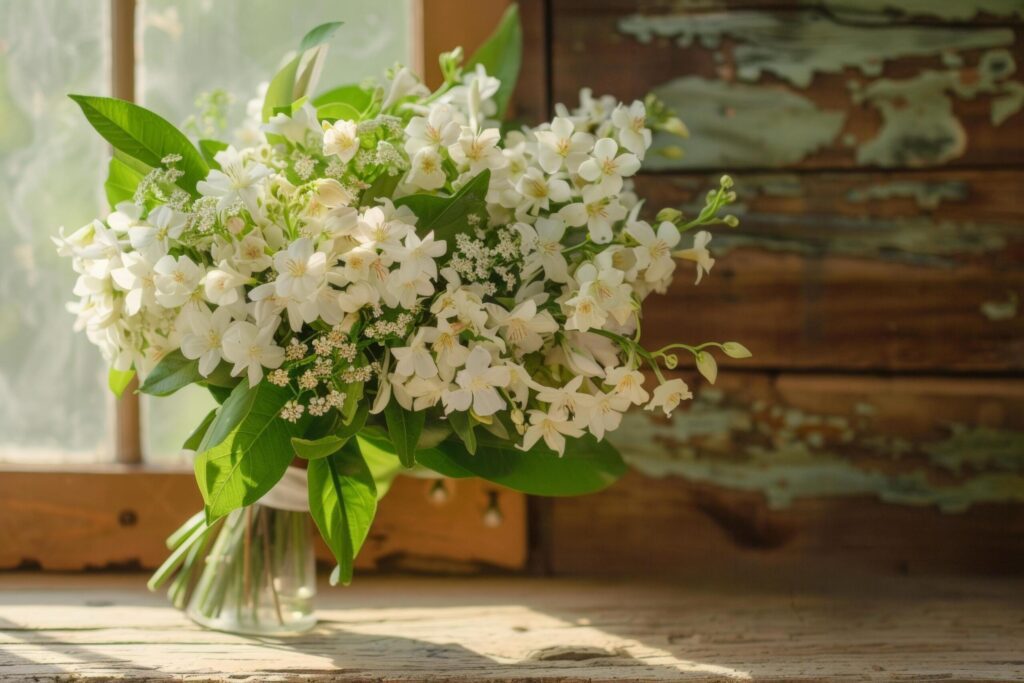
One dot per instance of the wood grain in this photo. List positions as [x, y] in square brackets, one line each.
[442, 25]
[799, 629]
[109, 518]
[591, 49]
[801, 473]
[863, 271]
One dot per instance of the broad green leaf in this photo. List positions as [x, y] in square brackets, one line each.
[404, 428]
[319, 35]
[501, 55]
[314, 449]
[356, 423]
[342, 502]
[118, 380]
[462, 425]
[196, 437]
[209, 148]
[382, 461]
[143, 135]
[337, 110]
[588, 465]
[221, 376]
[220, 394]
[172, 373]
[447, 216]
[377, 448]
[355, 96]
[280, 90]
[122, 179]
[288, 84]
[252, 448]
[383, 186]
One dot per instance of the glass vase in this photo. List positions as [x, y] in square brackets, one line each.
[259, 576]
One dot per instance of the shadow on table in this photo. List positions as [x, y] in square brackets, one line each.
[332, 651]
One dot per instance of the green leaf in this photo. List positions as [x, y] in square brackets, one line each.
[172, 373]
[383, 186]
[502, 54]
[382, 460]
[314, 449]
[462, 425]
[246, 450]
[288, 85]
[281, 88]
[319, 35]
[118, 380]
[221, 376]
[143, 135]
[355, 96]
[447, 216]
[342, 502]
[404, 428]
[122, 179]
[588, 465]
[209, 148]
[196, 437]
[338, 110]
[220, 394]
[356, 424]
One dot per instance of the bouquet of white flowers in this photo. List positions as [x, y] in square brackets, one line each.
[388, 273]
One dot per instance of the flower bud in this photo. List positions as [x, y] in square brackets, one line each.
[669, 214]
[707, 366]
[517, 417]
[235, 225]
[726, 182]
[671, 152]
[676, 127]
[731, 221]
[736, 350]
[331, 193]
[671, 361]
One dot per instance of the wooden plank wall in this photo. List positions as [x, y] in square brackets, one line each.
[876, 275]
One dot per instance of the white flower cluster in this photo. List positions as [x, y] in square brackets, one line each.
[292, 262]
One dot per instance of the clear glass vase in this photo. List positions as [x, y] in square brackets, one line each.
[259, 576]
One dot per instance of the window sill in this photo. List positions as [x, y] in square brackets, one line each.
[117, 516]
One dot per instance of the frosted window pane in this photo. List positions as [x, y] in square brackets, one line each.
[192, 48]
[53, 401]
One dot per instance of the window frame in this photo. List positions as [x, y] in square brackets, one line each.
[116, 514]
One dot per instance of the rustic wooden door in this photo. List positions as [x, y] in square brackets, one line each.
[876, 276]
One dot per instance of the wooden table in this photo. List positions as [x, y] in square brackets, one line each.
[60, 627]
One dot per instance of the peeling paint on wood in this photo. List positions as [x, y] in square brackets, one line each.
[796, 46]
[998, 311]
[787, 453]
[918, 239]
[928, 195]
[733, 122]
[919, 125]
[946, 10]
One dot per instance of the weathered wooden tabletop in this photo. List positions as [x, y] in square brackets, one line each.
[498, 629]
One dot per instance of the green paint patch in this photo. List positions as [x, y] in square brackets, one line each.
[999, 311]
[946, 10]
[919, 125]
[736, 125]
[788, 454]
[926, 194]
[920, 240]
[794, 46]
